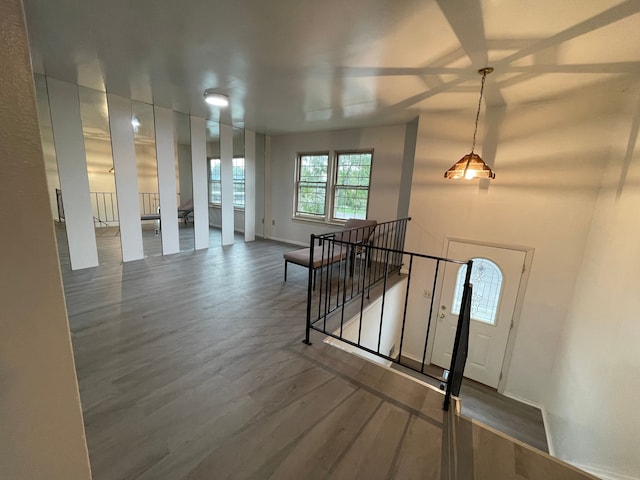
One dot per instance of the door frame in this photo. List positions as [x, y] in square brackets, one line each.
[517, 311]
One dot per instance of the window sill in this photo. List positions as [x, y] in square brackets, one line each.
[318, 221]
[217, 205]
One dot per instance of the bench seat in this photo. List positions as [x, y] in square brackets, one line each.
[356, 232]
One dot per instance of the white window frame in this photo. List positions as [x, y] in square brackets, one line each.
[330, 185]
[296, 211]
[335, 185]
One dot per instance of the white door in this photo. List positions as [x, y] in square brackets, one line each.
[495, 277]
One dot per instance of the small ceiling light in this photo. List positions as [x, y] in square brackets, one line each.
[471, 165]
[215, 98]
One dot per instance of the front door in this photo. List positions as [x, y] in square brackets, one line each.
[495, 277]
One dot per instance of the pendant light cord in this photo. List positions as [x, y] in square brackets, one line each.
[475, 130]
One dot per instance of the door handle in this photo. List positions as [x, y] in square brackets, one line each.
[441, 315]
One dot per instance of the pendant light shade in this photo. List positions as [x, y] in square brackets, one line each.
[471, 165]
[468, 167]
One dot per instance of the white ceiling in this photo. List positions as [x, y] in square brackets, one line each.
[297, 65]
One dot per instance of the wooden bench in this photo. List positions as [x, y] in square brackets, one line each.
[355, 232]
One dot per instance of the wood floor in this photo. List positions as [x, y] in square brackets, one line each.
[486, 405]
[190, 366]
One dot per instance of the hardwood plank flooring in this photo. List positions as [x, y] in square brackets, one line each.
[486, 405]
[191, 366]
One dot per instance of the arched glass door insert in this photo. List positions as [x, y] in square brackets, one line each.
[486, 278]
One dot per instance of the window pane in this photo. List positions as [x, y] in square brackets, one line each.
[313, 168]
[311, 198]
[352, 185]
[312, 184]
[486, 279]
[238, 182]
[350, 203]
[215, 192]
[354, 169]
[214, 169]
[215, 195]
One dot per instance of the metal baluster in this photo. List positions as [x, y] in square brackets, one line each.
[309, 291]
[433, 294]
[384, 295]
[404, 313]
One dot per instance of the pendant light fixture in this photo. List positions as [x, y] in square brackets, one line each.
[471, 165]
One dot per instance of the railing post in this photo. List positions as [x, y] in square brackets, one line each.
[461, 343]
[309, 290]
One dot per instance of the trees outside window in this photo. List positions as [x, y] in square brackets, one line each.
[351, 193]
[347, 178]
[311, 185]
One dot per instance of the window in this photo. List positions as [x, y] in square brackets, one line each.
[347, 178]
[215, 182]
[486, 279]
[311, 188]
[238, 182]
[351, 193]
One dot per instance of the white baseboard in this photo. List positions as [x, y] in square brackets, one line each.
[547, 432]
[602, 473]
[218, 226]
[411, 357]
[545, 418]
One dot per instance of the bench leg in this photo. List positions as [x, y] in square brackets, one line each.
[285, 270]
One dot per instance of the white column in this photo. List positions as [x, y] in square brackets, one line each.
[200, 182]
[124, 164]
[226, 173]
[249, 186]
[165, 154]
[72, 169]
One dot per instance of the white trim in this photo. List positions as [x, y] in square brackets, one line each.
[318, 221]
[603, 474]
[411, 357]
[547, 432]
[545, 418]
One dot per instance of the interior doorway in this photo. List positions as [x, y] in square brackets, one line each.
[497, 282]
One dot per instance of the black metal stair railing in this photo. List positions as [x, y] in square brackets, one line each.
[359, 266]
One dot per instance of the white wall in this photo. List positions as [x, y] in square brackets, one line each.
[41, 433]
[215, 218]
[46, 137]
[147, 169]
[185, 175]
[539, 199]
[391, 325]
[593, 407]
[388, 145]
[99, 161]
[575, 350]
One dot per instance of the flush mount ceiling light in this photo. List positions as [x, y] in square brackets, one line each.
[214, 98]
[471, 165]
